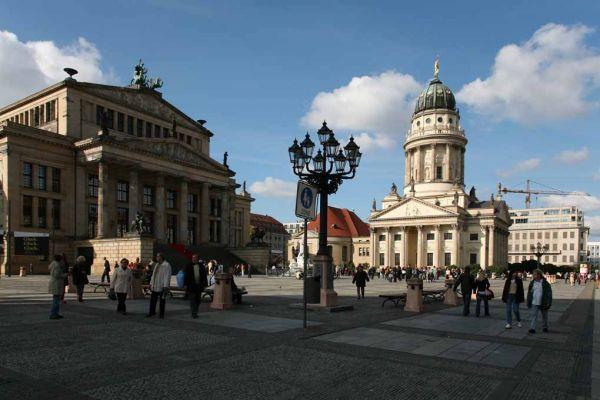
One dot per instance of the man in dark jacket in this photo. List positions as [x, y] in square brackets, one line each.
[467, 283]
[195, 281]
[539, 296]
[513, 295]
[360, 279]
[106, 272]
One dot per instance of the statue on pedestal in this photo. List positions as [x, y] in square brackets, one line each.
[139, 224]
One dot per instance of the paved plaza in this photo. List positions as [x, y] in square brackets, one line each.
[259, 349]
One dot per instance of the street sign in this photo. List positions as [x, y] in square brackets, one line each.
[306, 201]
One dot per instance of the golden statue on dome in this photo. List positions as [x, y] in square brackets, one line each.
[436, 67]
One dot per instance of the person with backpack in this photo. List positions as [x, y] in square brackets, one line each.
[513, 295]
[539, 297]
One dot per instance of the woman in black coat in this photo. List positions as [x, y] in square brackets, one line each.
[513, 295]
[360, 278]
[482, 285]
[80, 279]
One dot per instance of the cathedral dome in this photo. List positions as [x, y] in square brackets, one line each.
[435, 96]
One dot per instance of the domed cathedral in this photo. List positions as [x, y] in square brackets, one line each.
[435, 222]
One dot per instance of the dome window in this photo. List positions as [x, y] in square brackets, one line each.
[428, 120]
[449, 120]
[418, 123]
[439, 119]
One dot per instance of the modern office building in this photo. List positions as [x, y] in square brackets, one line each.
[593, 250]
[562, 229]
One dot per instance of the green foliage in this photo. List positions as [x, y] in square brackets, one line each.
[530, 265]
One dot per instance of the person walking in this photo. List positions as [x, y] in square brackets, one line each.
[572, 278]
[513, 295]
[79, 274]
[159, 286]
[65, 268]
[360, 279]
[106, 272]
[56, 286]
[539, 297]
[121, 282]
[482, 293]
[467, 283]
[195, 280]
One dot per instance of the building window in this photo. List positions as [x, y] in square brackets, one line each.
[192, 203]
[447, 259]
[122, 220]
[571, 246]
[27, 210]
[42, 177]
[99, 112]
[188, 140]
[149, 217]
[191, 234]
[396, 259]
[430, 236]
[110, 119]
[344, 253]
[140, 127]
[438, 173]
[156, 131]
[564, 235]
[181, 136]
[92, 220]
[554, 246]
[572, 234]
[130, 121]
[55, 214]
[171, 199]
[171, 228]
[429, 259]
[215, 207]
[473, 236]
[56, 180]
[120, 122]
[564, 246]
[473, 258]
[517, 236]
[93, 185]
[531, 235]
[27, 175]
[554, 235]
[447, 235]
[148, 129]
[42, 222]
[166, 133]
[148, 200]
[381, 238]
[381, 258]
[122, 191]
[397, 237]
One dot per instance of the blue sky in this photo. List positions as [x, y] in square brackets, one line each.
[254, 70]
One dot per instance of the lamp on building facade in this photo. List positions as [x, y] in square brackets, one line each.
[326, 171]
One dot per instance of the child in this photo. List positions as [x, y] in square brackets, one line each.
[360, 278]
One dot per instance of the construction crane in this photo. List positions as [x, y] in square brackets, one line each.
[528, 192]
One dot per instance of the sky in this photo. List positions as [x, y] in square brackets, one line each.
[526, 76]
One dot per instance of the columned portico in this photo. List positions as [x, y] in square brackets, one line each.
[103, 201]
[134, 193]
[456, 259]
[420, 246]
[160, 227]
[183, 211]
[438, 250]
[492, 245]
[389, 242]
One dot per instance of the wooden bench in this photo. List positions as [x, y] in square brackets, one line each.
[395, 298]
[98, 285]
[433, 295]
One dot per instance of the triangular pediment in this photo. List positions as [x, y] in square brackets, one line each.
[143, 100]
[413, 208]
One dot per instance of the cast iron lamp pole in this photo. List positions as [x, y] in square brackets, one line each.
[539, 250]
[326, 171]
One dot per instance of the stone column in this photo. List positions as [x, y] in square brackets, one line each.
[484, 252]
[134, 194]
[407, 171]
[204, 211]
[160, 225]
[492, 243]
[456, 235]
[438, 250]
[183, 212]
[103, 206]
[419, 246]
[390, 247]
[447, 163]
[225, 218]
[433, 164]
[372, 247]
[417, 165]
[404, 247]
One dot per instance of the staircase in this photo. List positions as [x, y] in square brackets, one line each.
[179, 256]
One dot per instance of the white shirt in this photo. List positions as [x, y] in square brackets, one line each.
[161, 277]
[537, 293]
[121, 280]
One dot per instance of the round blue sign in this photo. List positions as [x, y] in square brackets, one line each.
[306, 198]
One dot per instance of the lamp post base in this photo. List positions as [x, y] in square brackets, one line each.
[328, 295]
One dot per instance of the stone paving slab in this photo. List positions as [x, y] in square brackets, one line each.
[242, 320]
[140, 306]
[477, 351]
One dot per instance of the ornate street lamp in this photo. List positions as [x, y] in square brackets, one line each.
[326, 171]
[539, 250]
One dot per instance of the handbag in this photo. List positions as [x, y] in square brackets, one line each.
[112, 295]
[489, 294]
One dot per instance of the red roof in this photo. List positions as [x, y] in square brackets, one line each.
[342, 223]
[268, 223]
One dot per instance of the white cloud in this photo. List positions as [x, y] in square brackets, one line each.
[377, 106]
[523, 166]
[548, 77]
[596, 176]
[26, 67]
[593, 221]
[573, 156]
[586, 203]
[273, 187]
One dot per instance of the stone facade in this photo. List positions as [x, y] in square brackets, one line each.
[435, 222]
[79, 160]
